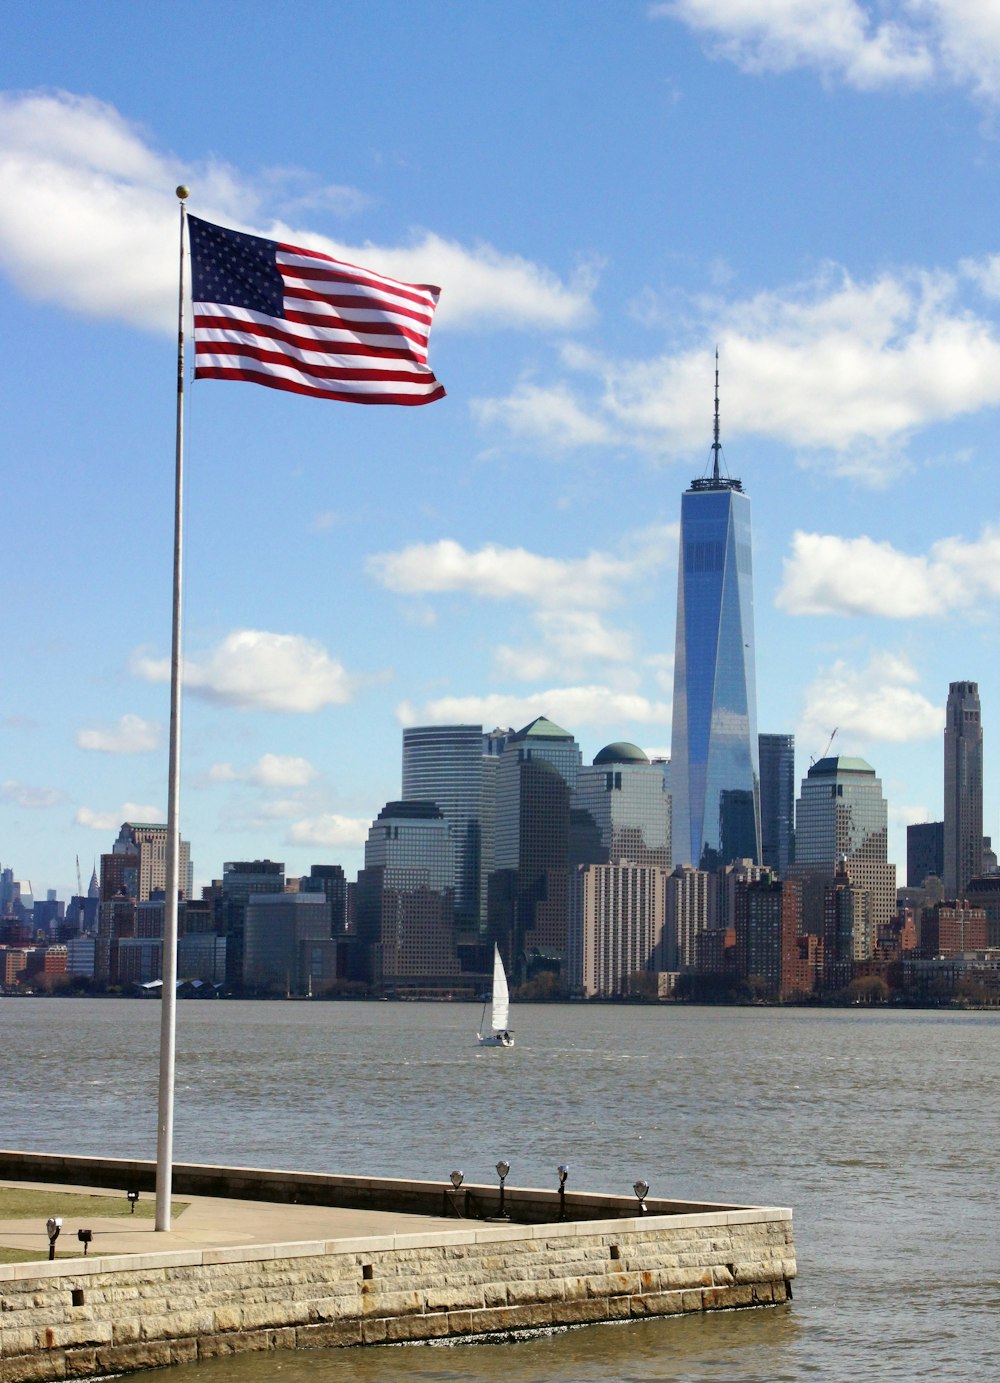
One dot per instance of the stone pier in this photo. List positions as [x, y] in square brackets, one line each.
[448, 1268]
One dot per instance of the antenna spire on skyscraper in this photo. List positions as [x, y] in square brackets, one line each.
[716, 444]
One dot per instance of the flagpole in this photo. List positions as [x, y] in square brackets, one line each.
[168, 1013]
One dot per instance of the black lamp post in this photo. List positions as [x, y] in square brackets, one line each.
[133, 1196]
[503, 1169]
[563, 1170]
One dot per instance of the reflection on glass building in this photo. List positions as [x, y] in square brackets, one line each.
[405, 899]
[777, 802]
[627, 798]
[444, 764]
[714, 765]
[841, 823]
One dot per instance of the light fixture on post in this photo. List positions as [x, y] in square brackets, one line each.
[641, 1189]
[53, 1225]
[85, 1236]
[503, 1168]
[563, 1170]
[133, 1196]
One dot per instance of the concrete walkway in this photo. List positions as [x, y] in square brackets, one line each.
[208, 1222]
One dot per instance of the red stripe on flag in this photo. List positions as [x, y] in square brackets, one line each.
[273, 382]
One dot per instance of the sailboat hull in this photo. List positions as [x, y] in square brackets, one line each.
[496, 1039]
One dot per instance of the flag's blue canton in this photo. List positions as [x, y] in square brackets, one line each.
[236, 269]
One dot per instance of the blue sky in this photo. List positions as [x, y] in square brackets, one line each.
[604, 193]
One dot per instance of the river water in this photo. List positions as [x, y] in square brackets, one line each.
[880, 1129]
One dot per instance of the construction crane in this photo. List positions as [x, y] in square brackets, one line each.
[829, 743]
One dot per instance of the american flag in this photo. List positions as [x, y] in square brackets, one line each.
[296, 319]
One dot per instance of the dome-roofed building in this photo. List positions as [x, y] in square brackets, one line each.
[621, 752]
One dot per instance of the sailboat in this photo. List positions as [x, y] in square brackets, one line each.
[498, 1034]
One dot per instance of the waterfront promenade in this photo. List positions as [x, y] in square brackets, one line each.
[208, 1222]
[366, 1265]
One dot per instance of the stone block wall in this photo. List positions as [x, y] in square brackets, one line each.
[85, 1318]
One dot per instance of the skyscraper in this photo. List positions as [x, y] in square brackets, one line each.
[963, 788]
[714, 765]
[841, 813]
[777, 802]
[241, 879]
[628, 800]
[147, 842]
[924, 852]
[617, 891]
[405, 908]
[444, 764]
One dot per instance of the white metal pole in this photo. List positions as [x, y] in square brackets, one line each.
[168, 1014]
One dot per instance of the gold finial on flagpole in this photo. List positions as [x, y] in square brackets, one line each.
[183, 192]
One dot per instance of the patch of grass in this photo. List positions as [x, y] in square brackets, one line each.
[21, 1203]
[28, 1255]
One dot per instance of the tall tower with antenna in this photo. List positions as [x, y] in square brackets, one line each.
[714, 768]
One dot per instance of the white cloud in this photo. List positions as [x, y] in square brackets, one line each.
[840, 37]
[862, 367]
[866, 45]
[256, 670]
[329, 830]
[829, 575]
[503, 573]
[24, 795]
[270, 771]
[871, 704]
[549, 415]
[132, 735]
[569, 706]
[94, 225]
[570, 640]
[969, 37]
[901, 816]
[110, 821]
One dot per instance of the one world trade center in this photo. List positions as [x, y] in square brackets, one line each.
[714, 770]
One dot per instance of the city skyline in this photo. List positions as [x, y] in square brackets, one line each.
[513, 553]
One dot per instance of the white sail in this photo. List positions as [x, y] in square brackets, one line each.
[501, 998]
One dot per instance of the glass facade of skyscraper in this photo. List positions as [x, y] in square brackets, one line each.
[841, 813]
[714, 753]
[628, 800]
[777, 802]
[540, 741]
[405, 908]
[444, 764]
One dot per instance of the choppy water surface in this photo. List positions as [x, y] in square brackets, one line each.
[879, 1129]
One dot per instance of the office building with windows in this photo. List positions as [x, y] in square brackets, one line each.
[924, 852]
[627, 798]
[405, 899]
[777, 802]
[963, 788]
[841, 813]
[444, 764]
[714, 765]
